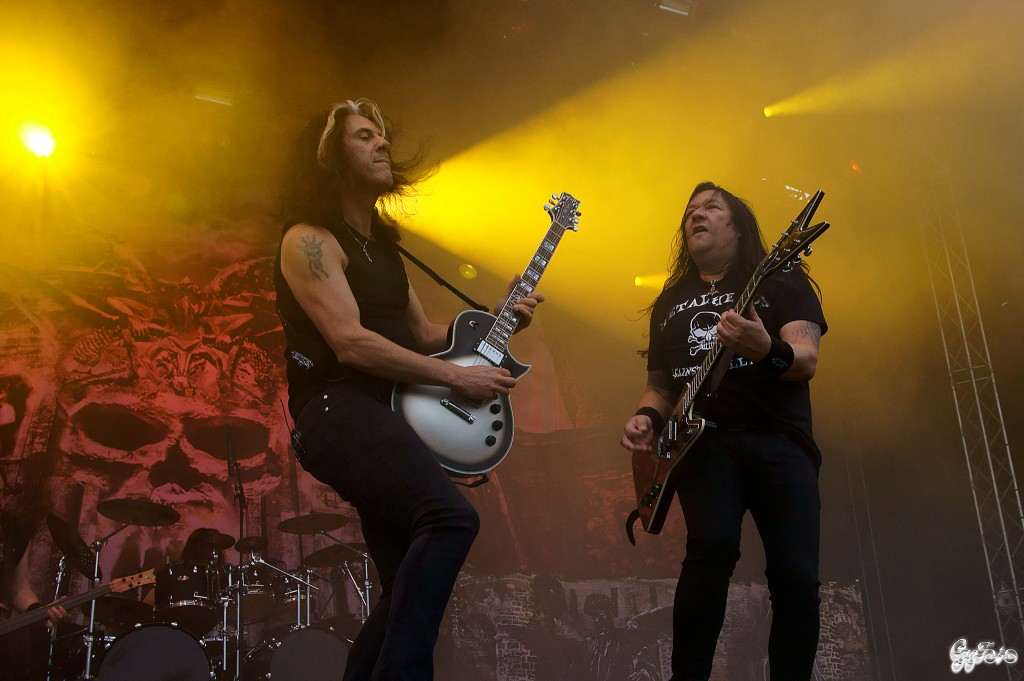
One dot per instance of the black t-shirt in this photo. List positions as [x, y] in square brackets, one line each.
[381, 289]
[683, 329]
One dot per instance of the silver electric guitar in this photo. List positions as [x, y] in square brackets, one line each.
[469, 437]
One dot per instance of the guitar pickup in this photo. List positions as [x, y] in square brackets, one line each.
[490, 353]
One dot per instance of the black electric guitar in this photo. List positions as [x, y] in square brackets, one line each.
[654, 472]
[468, 437]
[115, 586]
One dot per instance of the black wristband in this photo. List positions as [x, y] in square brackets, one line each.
[779, 358]
[657, 422]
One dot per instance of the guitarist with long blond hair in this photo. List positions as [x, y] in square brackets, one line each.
[757, 451]
[353, 326]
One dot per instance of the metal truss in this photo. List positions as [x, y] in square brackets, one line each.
[989, 464]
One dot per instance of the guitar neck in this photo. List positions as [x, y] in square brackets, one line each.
[505, 325]
[39, 614]
[704, 370]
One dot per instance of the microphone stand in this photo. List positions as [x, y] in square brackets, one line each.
[233, 467]
[61, 574]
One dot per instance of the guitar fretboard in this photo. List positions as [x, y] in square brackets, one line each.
[505, 325]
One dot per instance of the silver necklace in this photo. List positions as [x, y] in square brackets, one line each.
[714, 290]
[362, 244]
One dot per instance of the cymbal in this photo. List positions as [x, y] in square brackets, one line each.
[251, 545]
[71, 545]
[211, 539]
[118, 611]
[312, 523]
[138, 512]
[333, 556]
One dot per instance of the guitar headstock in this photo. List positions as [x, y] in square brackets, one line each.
[564, 211]
[795, 242]
[132, 581]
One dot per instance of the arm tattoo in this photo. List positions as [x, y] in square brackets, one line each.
[313, 249]
[810, 330]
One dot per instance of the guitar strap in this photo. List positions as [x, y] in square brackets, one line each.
[441, 280]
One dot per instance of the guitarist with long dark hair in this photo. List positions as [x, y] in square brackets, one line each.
[354, 326]
[757, 452]
[23, 652]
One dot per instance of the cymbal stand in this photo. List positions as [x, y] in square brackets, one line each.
[298, 590]
[364, 593]
[227, 595]
[90, 636]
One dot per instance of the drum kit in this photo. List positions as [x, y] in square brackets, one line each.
[197, 622]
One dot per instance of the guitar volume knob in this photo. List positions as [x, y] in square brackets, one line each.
[495, 408]
[497, 425]
[490, 440]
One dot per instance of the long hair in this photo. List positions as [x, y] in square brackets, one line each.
[750, 249]
[312, 185]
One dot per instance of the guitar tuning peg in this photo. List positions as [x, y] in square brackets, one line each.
[807, 251]
[554, 197]
[579, 214]
[547, 207]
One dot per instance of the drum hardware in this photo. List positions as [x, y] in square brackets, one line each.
[333, 556]
[169, 651]
[137, 512]
[296, 653]
[120, 612]
[187, 595]
[258, 589]
[127, 512]
[304, 589]
[313, 523]
[251, 545]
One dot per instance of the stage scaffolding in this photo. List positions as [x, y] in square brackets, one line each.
[989, 464]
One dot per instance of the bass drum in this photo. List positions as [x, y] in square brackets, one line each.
[296, 654]
[155, 652]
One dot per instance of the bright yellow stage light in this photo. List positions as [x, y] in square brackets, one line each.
[467, 271]
[650, 280]
[38, 139]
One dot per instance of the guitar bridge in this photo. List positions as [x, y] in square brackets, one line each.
[651, 494]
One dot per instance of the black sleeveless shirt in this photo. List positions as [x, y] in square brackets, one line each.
[379, 283]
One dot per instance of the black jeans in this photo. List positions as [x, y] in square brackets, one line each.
[726, 474]
[417, 525]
